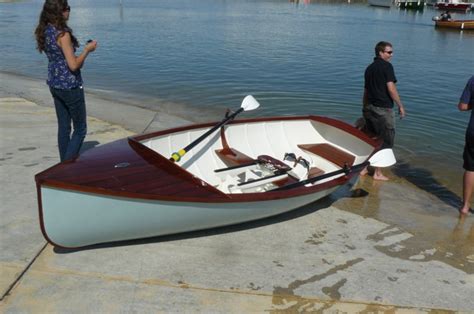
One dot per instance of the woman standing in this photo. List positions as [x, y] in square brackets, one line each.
[55, 38]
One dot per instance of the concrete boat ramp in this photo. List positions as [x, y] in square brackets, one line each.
[368, 248]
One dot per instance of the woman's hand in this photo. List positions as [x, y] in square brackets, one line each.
[91, 46]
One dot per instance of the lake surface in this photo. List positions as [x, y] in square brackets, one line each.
[295, 58]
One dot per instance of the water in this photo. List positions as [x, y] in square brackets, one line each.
[294, 58]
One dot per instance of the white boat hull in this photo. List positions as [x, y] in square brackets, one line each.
[74, 219]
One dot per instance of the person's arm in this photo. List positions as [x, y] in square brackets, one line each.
[74, 63]
[465, 102]
[392, 90]
[464, 106]
[365, 98]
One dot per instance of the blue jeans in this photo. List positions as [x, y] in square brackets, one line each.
[70, 107]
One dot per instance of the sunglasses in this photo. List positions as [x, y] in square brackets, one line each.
[292, 157]
[67, 9]
[389, 52]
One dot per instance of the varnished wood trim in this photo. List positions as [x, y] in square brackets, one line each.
[225, 145]
[314, 172]
[216, 197]
[41, 219]
[231, 198]
[233, 157]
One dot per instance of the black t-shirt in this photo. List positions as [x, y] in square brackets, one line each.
[467, 97]
[377, 75]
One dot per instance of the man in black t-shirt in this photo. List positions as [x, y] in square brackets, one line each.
[466, 103]
[379, 94]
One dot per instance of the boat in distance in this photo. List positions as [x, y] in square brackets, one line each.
[454, 6]
[381, 3]
[246, 170]
[456, 24]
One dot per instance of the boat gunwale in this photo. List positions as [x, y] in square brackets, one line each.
[329, 121]
[218, 197]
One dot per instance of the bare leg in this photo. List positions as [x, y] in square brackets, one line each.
[378, 175]
[468, 187]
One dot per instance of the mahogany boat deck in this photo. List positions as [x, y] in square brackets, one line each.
[118, 168]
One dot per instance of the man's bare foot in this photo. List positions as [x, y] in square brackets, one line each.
[380, 177]
[464, 210]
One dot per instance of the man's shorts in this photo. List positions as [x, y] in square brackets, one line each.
[381, 122]
[469, 152]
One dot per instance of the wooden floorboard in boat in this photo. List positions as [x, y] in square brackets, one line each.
[330, 153]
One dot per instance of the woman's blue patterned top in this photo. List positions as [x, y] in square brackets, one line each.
[59, 74]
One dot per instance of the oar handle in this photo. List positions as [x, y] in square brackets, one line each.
[345, 170]
[176, 156]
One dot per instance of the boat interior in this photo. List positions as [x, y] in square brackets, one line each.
[254, 157]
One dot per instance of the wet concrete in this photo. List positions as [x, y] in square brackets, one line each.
[439, 232]
[372, 247]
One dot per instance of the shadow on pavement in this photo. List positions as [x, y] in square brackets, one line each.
[424, 180]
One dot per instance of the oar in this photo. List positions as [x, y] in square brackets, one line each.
[382, 158]
[249, 103]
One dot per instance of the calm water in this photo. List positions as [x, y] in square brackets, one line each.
[294, 58]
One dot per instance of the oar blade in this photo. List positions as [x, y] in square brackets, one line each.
[383, 158]
[249, 103]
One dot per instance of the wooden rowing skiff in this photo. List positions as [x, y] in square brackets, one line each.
[246, 170]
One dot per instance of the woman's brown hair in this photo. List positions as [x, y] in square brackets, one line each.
[52, 13]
